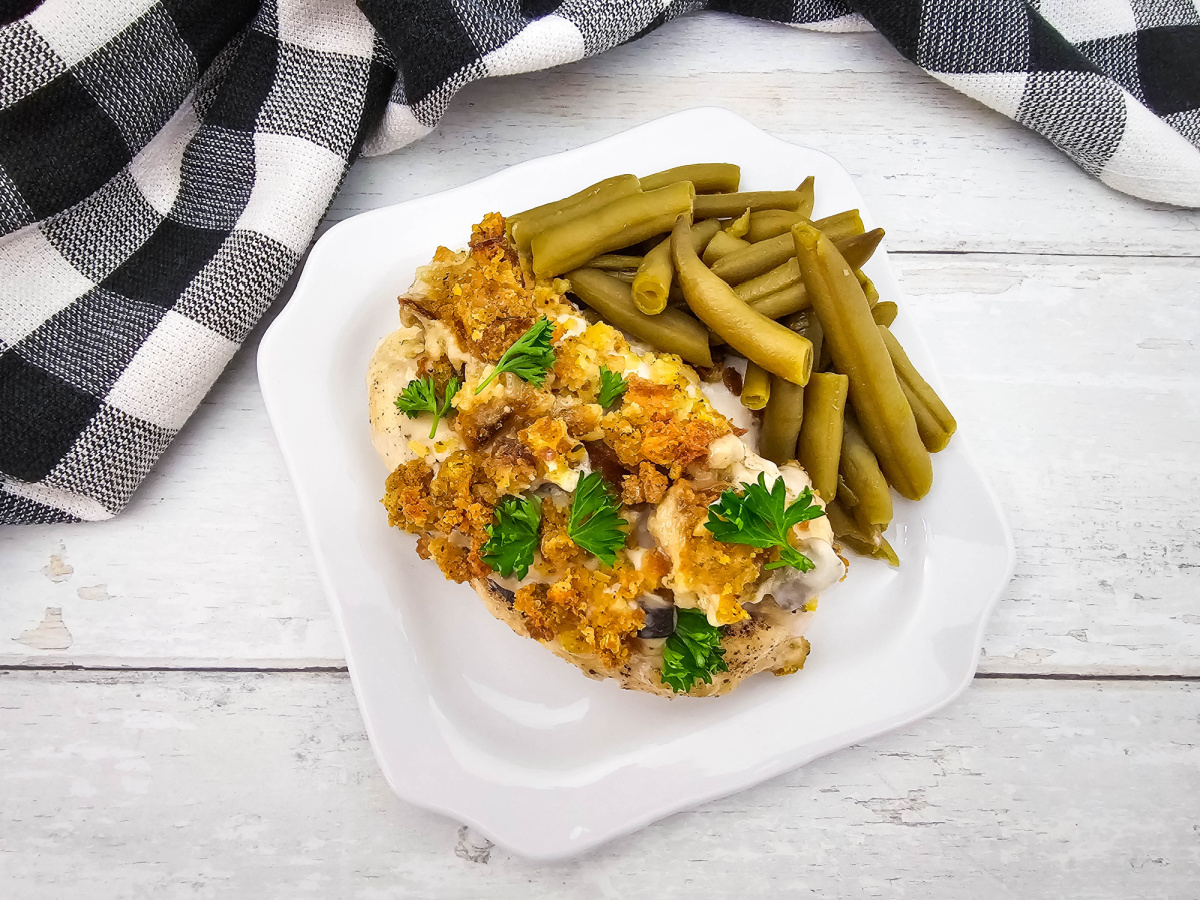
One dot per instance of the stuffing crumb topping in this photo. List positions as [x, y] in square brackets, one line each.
[465, 310]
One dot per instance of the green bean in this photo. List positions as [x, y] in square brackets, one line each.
[759, 259]
[884, 313]
[769, 223]
[857, 349]
[709, 178]
[722, 244]
[865, 541]
[783, 275]
[781, 422]
[820, 446]
[524, 225]
[868, 287]
[856, 249]
[805, 322]
[652, 283]
[623, 222]
[738, 227]
[934, 421]
[845, 495]
[774, 306]
[783, 302]
[726, 206]
[702, 233]
[615, 261]
[754, 260]
[624, 276]
[756, 386]
[860, 470]
[807, 193]
[671, 331]
[774, 347]
[840, 226]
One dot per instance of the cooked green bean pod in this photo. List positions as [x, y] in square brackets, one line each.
[934, 421]
[615, 262]
[709, 178]
[860, 470]
[807, 192]
[621, 223]
[840, 226]
[727, 206]
[856, 249]
[783, 275]
[739, 226]
[781, 422]
[672, 330]
[769, 223]
[820, 447]
[624, 275]
[783, 302]
[863, 540]
[702, 233]
[868, 287]
[776, 348]
[845, 495]
[652, 283]
[805, 322]
[722, 244]
[760, 258]
[754, 260]
[524, 225]
[884, 313]
[756, 386]
[858, 350]
[775, 306]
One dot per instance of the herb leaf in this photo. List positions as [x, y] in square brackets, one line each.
[612, 387]
[594, 523]
[761, 517]
[513, 535]
[420, 396]
[529, 358]
[693, 652]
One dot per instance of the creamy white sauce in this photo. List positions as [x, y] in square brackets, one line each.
[397, 438]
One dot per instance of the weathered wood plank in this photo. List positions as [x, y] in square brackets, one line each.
[940, 170]
[1076, 380]
[207, 785]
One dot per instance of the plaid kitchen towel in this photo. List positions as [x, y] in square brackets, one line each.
[164, 164]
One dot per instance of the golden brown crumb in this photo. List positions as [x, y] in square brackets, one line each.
[660, 424]
[647, 485]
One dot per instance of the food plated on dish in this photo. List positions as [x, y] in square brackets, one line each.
[475, 722]
[644, 421]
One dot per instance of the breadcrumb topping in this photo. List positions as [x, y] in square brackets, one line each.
[516, 437]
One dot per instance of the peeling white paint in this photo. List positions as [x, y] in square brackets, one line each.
[95, 592]
[49, 634]
[57, 569]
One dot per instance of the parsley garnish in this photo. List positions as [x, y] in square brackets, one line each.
[594, 524]
[513, 535]
[612, 387]
[762, 518]
[693, 652]
[420, 396]
[529, 358]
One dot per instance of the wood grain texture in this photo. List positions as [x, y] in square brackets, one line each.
[1075, 380]
[216, 785]
[940, 170]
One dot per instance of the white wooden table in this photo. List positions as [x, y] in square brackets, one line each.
[175, 716]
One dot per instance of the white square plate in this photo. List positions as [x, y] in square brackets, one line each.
[469, 719]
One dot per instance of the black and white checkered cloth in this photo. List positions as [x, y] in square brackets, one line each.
[164, 164]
